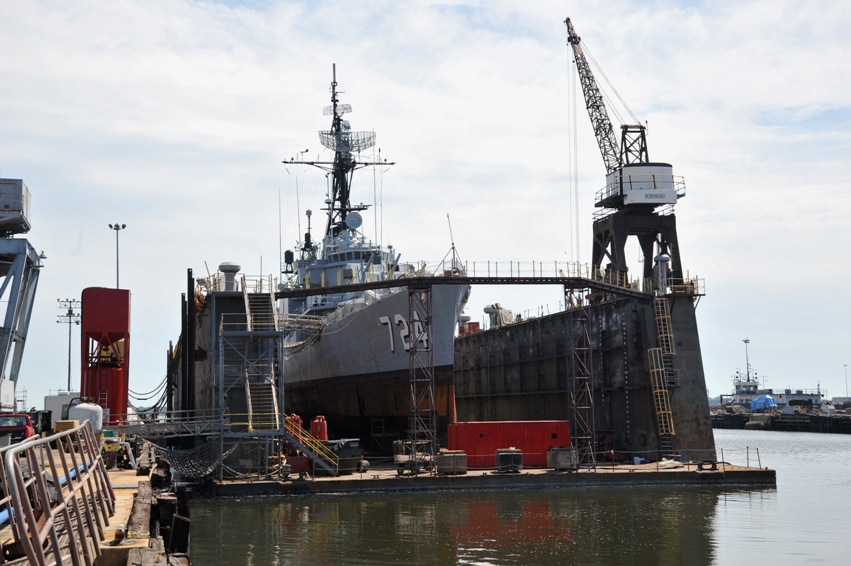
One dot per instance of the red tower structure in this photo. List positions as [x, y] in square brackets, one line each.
[105, 319]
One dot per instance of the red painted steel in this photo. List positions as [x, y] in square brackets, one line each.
[481, 439]
[319, 428]
[105, 360]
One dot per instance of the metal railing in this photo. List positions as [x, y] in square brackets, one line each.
[58, 500]
[312, 443]
[491, 268]
[176, 423]
[619, 186]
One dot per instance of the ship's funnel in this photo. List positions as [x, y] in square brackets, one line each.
[230, 270]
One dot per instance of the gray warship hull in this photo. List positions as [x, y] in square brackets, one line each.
[356, 371]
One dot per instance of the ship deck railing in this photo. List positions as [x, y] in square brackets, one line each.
[479, 272]
[196, 423]
[244, 283]
[169, 424]
[522, 270]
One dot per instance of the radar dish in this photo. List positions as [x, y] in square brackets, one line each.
[341, 108]
[347, 141]
[354, 220]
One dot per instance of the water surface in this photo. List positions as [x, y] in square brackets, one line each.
[805, 520]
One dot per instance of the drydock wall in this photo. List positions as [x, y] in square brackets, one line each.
[523, 372]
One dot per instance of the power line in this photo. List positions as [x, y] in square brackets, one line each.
[70, 316]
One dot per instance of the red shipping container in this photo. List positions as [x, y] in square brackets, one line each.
[481, 439]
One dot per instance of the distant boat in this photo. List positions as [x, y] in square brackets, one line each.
[746, 390]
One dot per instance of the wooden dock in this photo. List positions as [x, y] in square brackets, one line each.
[127, 537]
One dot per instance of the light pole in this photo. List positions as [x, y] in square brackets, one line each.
[117, 227]
[747, 360]
[846, 381]
[71, 316]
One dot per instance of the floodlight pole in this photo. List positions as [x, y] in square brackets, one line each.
[117, 227]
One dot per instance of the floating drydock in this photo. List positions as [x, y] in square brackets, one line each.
[600, 365]
[386, 480]
[622, 363]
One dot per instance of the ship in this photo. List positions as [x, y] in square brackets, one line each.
[746, 389]
[348, 353]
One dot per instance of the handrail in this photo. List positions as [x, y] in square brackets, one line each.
[69, 496]
[312, 443]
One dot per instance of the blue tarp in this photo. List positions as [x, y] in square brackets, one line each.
[763, 402]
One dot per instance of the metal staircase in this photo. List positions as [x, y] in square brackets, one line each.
[262, 401]
[312, 447]
[260, 312]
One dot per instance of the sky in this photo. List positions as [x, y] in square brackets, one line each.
[174, 116]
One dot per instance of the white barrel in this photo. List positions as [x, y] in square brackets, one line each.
[87, 412]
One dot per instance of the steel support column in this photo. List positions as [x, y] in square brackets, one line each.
[422, 434]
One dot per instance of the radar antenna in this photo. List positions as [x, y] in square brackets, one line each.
[345, 144]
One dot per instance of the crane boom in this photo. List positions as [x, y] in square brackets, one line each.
[603, 129]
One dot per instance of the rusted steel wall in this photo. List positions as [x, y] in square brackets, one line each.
[522, 371]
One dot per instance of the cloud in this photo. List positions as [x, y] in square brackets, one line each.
[174, 117]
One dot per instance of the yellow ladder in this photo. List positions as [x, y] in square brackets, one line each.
[661, 399]
[663, 325]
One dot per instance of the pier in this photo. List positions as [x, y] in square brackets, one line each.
[59, 504]
[831, 424]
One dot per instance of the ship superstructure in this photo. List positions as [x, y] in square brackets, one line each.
[348, 352]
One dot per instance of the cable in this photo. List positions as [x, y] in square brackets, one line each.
[151, 393]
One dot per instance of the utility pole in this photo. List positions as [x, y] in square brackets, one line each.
[71, 316]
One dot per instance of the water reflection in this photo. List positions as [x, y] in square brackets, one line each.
[594, 526]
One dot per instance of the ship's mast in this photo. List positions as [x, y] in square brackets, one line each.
[342, 141]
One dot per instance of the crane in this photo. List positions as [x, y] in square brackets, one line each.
[639, 194]
[633, 146]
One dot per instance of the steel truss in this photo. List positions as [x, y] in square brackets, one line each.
[580, 368]
[422, 433]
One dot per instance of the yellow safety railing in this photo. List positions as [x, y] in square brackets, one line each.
[312, 443]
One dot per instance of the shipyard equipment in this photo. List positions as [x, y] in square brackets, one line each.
[639, 194]
[19, 269]
[623, 363]
[106, 350]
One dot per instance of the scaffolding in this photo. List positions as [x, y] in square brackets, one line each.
[581, 410]
[422, 422]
